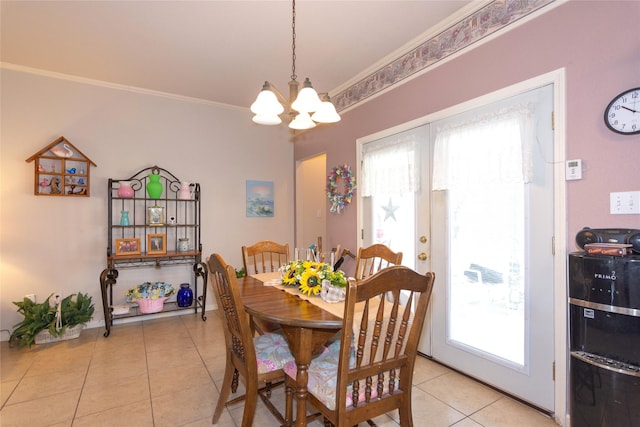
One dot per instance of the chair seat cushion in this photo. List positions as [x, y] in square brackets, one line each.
[272, 352]
[322, 376]
[323, 379]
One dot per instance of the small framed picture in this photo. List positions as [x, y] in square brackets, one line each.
[157, 243]
[128, 246]
[155, 215]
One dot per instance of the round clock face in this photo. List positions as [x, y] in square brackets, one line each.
[622, 115]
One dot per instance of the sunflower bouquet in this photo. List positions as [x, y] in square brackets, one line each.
[308, 276]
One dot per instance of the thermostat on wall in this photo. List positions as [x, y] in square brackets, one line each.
[574, 169]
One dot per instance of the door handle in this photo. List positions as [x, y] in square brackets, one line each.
[423, 239]
[422, 256]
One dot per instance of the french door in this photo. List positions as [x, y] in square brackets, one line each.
[488, 239]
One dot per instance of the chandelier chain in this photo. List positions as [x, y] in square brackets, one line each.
[293, 41]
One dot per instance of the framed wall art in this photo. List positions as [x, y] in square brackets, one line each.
[128, 246]
[260, 199]
[156, 243]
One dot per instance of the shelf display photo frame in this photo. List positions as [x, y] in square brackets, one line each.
[156, 243]
[128, 246]
[155, 216]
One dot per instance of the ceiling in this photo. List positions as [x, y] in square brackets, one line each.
[218, 51]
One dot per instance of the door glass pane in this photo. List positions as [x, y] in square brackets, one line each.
[486, 234]
[392, 217]
[484, 163]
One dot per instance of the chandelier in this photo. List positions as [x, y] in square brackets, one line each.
[270, 102]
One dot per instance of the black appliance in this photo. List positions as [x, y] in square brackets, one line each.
[629, 236]
[604, 335]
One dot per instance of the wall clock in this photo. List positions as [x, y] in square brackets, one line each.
[622, 115]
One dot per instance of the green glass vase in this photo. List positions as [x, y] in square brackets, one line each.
[154, 186]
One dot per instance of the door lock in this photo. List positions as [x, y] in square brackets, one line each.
[423, 239]
[422, 256]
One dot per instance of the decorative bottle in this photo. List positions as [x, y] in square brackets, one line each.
[125, 190]
[124, 218]
[185, 191]
[185, 296]
[154, 186]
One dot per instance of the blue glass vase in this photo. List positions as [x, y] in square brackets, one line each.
[124, 218]
[185, 296]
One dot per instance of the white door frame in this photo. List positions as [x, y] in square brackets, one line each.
[560, 244]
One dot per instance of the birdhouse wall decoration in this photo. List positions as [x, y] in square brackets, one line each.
[61, 170]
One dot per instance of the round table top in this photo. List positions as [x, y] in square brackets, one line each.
[278, 306]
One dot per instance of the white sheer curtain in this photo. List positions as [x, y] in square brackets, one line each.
[488, 149]
[390, 166]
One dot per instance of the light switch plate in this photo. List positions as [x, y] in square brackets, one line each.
[626, 202]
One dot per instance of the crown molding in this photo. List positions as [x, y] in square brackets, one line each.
[116, 86]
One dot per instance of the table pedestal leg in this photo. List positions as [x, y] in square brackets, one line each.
[304, 343]
[301, 344]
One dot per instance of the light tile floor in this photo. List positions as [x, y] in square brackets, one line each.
[166, 372]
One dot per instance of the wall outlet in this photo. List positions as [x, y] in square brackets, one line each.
[32, 297]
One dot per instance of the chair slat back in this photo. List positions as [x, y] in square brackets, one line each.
[264, 256]
[379, 342]
[374, 258]
[238, 335]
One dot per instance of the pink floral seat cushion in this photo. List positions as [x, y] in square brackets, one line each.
[272, 352]
[322, 381]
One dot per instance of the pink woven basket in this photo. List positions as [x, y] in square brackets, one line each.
[149, 305]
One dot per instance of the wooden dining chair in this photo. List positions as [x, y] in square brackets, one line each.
[265, 256]
[258, 360]
[375, 356]
[374, 258]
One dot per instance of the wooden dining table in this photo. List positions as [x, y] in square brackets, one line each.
[306, 326]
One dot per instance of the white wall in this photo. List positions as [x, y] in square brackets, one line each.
[58, 244]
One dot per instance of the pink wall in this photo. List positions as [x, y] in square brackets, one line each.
[597, 42]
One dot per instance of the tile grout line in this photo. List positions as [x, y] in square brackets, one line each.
[146, 360]
[4, 404]
[84, 382]
[213, 382]
[204, 364]
[447, 404]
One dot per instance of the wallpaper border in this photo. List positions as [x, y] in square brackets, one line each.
[486, 21]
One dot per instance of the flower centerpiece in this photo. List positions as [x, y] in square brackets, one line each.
[309, 276]
[150, 296]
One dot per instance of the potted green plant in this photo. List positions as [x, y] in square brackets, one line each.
[52, 320]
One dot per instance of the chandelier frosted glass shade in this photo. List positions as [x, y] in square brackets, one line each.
[265, 119]
[308, 100]
[326, 113]
[302, 121]
[267, 107]
[266, 104]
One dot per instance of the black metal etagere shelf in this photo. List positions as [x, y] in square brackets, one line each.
[179, 221]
